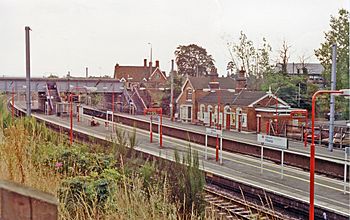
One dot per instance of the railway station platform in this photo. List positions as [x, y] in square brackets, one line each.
[294, 183]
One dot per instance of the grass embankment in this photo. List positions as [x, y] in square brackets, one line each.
[92, 182]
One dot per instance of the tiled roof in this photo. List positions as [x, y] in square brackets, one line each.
[244, 98]
[137, 73]
[203, 82]
[226, 97]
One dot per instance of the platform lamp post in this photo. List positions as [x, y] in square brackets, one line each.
[312, 147]
[217, 124]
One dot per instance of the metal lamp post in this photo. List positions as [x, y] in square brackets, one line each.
[217, 125]
[312, 149]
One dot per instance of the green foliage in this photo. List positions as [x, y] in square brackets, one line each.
[255, 61]
[193, 59]
[286, 86]
[187, 181]
[5, 117]
[95, 99]
[339, 35]
[89, 191]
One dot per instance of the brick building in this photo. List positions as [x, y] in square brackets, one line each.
[194, 88]
[144, 85]
[240, 109]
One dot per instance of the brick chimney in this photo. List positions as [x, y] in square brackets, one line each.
[241, 81]
[213, 74]
[157, 63]
[144, 62]
[150, 64]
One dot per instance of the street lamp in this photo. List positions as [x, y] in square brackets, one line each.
[312, 147]
[218, 126]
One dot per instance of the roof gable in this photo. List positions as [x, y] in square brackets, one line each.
[137, 73]
[157, 71]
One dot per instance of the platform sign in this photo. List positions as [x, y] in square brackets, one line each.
[347, 153]
[268, 140]
[213, 131]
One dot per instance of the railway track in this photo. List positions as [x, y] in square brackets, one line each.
[226, 206]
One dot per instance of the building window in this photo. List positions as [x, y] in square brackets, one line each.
[244, 120]
[189, 94]
[201, 112]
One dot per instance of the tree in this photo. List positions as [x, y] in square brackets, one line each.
[339, 35]
[264, 67]
[193, 60]
[284, 57]
[243, 55]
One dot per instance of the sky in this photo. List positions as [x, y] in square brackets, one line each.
[70, 35]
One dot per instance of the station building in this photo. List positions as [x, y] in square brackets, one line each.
[240, 108]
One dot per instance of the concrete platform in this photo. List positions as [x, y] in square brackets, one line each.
[329, 193]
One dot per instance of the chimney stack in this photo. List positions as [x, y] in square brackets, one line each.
[241, 81]
[144, 62]
[213, 74]
[157, 63]
[150, 64]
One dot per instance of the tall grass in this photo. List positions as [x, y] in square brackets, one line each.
[91, 184]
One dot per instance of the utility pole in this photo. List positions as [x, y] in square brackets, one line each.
[332, 102]
[28, 93]
[172, 91]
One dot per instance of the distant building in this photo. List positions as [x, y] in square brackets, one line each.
[144, 85]
[314, 71]
[149, 75]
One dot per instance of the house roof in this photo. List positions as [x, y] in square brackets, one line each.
[132, 73]
[226, 97]
[243, 98]
[246, 98]
[312, 68]
[203, 82]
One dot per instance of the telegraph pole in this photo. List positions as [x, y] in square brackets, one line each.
[28, 98]
[172, 91]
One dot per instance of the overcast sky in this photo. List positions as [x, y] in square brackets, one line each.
[69, 35]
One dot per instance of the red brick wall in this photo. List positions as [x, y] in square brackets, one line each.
[196, 95]
[19, 202]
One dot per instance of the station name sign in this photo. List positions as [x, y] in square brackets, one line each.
[268, 140]
[212, 131]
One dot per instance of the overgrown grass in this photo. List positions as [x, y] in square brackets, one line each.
[99, 184]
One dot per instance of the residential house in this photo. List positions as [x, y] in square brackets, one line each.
[314, 71]
[151, 76]
[144, 85]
